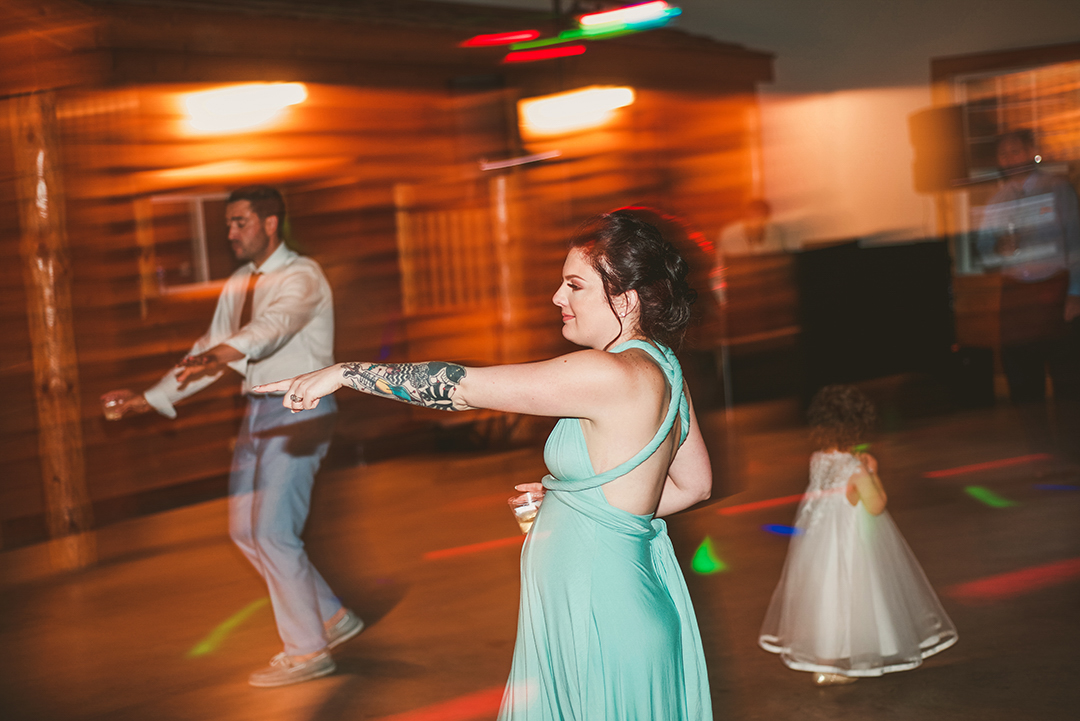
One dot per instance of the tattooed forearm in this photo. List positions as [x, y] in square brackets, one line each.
[423, 384]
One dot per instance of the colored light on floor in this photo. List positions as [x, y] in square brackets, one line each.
[705, 560]
[781, 530]
[988, 465]
[478, 705]
[218, 635]
[985, 495]
[1057, 487]
[530, 56]
[473, 548]
[1015, 583]
[758, 505]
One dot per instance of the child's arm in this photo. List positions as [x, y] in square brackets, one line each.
[864, 485]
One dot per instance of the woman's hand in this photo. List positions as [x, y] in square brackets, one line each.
[536, 489]
[302, 393]
[868, 461]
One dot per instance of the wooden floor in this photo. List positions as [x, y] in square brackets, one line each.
[170, 623]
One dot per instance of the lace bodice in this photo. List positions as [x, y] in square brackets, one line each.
[831, 470]
[829, 474]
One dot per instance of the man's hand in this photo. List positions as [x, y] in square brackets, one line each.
[119, 403]
[206, 364]
[1072, 307]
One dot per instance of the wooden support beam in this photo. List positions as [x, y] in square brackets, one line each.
[47, 274]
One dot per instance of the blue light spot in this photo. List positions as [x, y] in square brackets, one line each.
[780, 530]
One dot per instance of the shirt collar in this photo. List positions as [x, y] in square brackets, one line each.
[281, 257]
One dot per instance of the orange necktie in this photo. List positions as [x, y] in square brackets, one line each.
[249, 300]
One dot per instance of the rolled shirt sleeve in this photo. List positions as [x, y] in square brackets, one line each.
[164, 394]
[291, 330]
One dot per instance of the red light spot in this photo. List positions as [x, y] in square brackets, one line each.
[782, 501]
[1003, 463]
[472, 548]
[484, 41]
[463, 708]
[1015, 583]
[757, 505]
[528, 56]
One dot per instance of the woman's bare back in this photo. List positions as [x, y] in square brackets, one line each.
[629, 426]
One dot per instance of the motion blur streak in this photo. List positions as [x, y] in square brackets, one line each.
[988, 465]
[985, 495]
[528, 56]
[1015, 583]
[574, 110]
[472, 548]
[630, 15]
[241, 107]
[758, 505]
[482, 41]
[481, 704]
[219, 634]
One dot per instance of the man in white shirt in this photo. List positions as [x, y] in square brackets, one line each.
[274, 319]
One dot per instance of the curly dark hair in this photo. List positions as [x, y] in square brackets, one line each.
[631, 254]
[840, 416]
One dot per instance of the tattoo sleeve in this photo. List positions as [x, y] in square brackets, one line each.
[431, 385]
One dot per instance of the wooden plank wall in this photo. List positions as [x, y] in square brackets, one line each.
[338, 158]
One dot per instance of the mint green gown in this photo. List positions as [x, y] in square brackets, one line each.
[606, 630]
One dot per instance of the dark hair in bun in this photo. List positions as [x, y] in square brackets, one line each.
[631, 254]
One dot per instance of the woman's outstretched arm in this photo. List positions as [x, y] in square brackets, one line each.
[582, 384]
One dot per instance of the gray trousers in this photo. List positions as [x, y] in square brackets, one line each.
[277, 455]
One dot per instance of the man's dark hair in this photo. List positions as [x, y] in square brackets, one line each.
[265, 202]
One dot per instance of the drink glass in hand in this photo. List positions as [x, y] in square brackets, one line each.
[524, 507]
[112, 405]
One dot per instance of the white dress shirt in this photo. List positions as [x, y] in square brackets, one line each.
[291, 329]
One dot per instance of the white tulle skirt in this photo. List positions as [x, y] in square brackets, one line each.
[852, 599]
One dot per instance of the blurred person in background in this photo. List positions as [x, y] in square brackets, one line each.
[1030, 231]
[755, 234]
[701, 344]
[606, 628]
[274, 318]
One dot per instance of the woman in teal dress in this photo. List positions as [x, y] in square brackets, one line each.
[606, 629]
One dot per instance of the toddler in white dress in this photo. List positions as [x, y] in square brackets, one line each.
[852, 600]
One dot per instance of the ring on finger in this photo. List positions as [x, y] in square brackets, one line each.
[296, 399]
